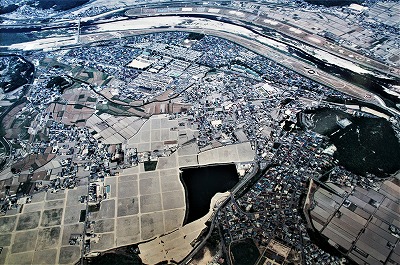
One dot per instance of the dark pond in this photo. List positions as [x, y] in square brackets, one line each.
[366, 145]
[202, 183]
[244, 252]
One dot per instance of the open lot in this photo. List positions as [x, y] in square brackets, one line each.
[72, 214]
[152, 225]
[173, 200]
[128, 206]
[105, 241]
[127, 189]
[20, 258]
[24, 241]
[149, 186]
[4, 254]
[170, 183]
[54, 204]
[69, 254]
[173, 219]
[52, 217]
[107, 209]
[28, 221]
[55, 195]
[48, 238]
[75, 194]
[127, 230]
[47, 256]
[68, 230]
[124, 178]
[5, 240]
[33, 207]
[167, 162]
[150, 203]
[104, 226]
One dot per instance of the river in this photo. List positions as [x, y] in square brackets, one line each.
[373, 83]
[367, 81]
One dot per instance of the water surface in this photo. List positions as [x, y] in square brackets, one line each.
[202, 183]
